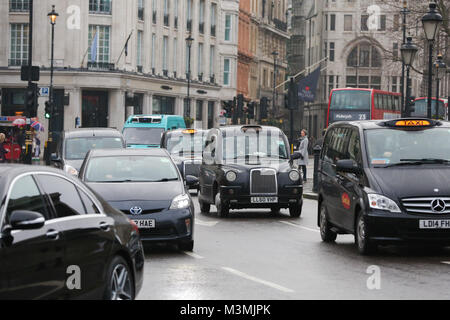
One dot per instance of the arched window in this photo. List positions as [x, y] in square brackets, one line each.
[365, 59]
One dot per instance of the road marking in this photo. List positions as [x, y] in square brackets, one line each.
[445, 262]
[264, 282]
[206, 223]
[193, 255]
[299, 226]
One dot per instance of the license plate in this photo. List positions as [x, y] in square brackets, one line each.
[145, 224]
[434, 224]
[264, 200]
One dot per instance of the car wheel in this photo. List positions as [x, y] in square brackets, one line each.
[365, 246]
[186, 246]
[120, 285]
[295, 210]
[326, 233]
[222, 209]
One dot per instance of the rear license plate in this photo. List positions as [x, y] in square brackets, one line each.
[264, 200]
[434, 224]
[145, 224]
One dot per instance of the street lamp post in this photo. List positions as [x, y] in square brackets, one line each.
[441, 68]
[189, 41]
[275, 54]
[431, 22]
[404, 12]
[52, 15]
[409, 51]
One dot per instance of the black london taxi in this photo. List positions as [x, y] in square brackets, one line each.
[386, 182]
[249, 167]
[186, 149]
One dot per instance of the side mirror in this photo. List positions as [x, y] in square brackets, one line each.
[191, 181]
[54, 157]
[349, 166]
[296, 155]
[26, 220]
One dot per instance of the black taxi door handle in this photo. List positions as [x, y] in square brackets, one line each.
[104, 226]
[52, 234]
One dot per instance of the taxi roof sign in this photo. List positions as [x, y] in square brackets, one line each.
[410, 123]
[190, 131]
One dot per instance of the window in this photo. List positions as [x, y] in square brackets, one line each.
[187, 108]
[331, 56]
[395, 50]
[189, 15]
[165, 54]
[200, 61]
[382, 23]
[332, 22]
[226, 72]
[153, 52]
[364, 19]
[175, 12]
[175, 55]
[102, 33]
[213, 19]
[228, 27]
[348, 23]
[89, 205]
[201, 18]
[100, 6]
[19, 5]
[155, 10]
[63, 195]
[396, 22]
[141, 9]
[166, 13]
[212, 58]
[139, 50]
[19, 44]
[163, 105]
[394, 84]
[25, 195]
[354, 147]
[199, 111]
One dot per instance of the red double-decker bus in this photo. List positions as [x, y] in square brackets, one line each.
[352, 104]
[421, 108]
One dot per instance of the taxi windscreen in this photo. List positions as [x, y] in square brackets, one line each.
[387, 147]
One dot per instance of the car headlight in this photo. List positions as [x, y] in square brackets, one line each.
[231, 176]
[181, 202]
[294, 175]
[71, 170]
[377, 201]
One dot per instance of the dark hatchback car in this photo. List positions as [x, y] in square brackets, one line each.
[146, 185]
[249, 167]
[186, 148]
[74, 145]
[386, 182]
[59, 240]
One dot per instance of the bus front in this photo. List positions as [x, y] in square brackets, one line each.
[349, 105]
[421, 108]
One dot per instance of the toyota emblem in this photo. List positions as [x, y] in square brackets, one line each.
[136, 210]
[438, 205]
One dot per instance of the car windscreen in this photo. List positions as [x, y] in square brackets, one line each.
[421, 107]
[396, 146]
[253, 144]
[350, 100]
[181, 143]
[77, 148]
[133, 168]
[143, 136]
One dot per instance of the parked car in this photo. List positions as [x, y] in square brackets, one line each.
[146, 185]
[145, 131]
[186, 148]
[59, 240]
[249, 167]
[386, 182]
[74, 145]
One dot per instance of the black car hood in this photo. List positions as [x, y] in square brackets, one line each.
[138, 191]
[414, 181]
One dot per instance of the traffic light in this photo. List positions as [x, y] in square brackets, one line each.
[264, 103]
[292, 95]
[228, 107]
[31, 100]
[410, 105]
[240, 105]
[48, 110]
[251, 110]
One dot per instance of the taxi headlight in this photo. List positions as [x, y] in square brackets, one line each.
[377, 201]
[70, 170]
[180, 202]
[231, 176]
[294, 175]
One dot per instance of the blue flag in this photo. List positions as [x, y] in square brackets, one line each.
[307, 87]
[94, 46]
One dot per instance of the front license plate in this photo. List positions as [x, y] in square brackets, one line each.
[264, 200]
[434, 224]
[145, 224]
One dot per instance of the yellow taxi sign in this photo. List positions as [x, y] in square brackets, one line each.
[190, 131]
[412, 123]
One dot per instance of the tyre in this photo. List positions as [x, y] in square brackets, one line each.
[222, 209]
[295, 210]
[186, 246]
[120, 283]
[204, 207]
[364, 245]
[326, 233]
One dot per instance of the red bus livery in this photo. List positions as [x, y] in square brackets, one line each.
[353, 104]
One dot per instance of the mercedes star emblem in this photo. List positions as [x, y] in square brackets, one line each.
[136, 210]
[438, 205]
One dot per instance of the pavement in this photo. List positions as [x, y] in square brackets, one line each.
[308, 185]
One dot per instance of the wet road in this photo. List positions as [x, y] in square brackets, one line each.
[256, 255]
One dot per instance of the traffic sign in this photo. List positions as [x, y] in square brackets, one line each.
[44, 92]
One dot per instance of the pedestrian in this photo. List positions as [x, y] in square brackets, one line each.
[302, 148]
[3, 151]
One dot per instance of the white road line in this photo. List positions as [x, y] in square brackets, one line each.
[205, 223]
[445, 262]
[299, 226]
[193, 255]
[264, 282]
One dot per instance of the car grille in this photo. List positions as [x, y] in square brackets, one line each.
[127, 212]
[192, 168]
[428, 205]
[158, 232]
[263, 181]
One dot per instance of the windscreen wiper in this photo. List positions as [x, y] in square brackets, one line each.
[165, 180]
[412, 162]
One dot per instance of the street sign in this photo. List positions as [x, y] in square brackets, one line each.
[44, 92]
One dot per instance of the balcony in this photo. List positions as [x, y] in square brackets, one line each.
[17, 62]
[280, 25]
[166, 20]
[101, 66]
[141, 13]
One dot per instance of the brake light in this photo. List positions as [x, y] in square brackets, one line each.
[134, 225]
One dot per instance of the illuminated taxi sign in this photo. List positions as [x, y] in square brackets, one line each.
[189, 131]
[412, 123]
